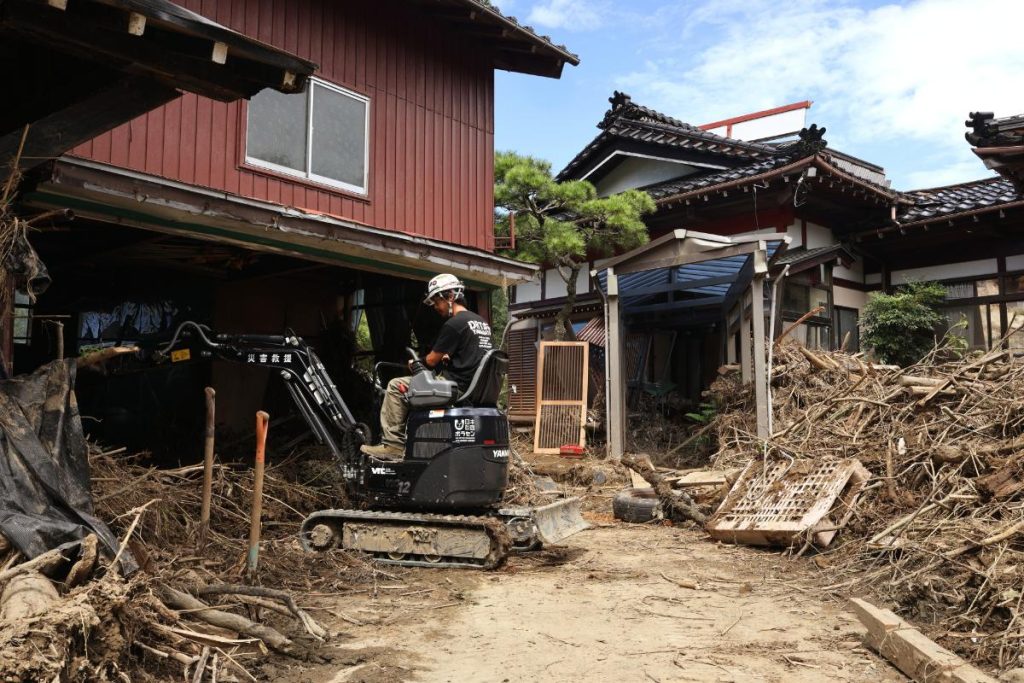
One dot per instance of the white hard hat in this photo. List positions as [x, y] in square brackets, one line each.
[443, 283]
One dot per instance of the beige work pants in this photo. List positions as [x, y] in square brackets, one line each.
[393, 413]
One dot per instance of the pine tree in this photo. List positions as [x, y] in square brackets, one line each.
[563, 224]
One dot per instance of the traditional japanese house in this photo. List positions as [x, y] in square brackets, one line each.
[849, 233]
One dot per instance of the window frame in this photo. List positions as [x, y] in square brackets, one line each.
[308, 175]
[21, 302]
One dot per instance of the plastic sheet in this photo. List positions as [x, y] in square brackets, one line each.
[44, 468]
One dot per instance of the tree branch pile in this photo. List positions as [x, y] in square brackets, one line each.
[70, 615]
[940, 530]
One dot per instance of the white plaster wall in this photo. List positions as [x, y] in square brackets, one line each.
[855, 272]
[947, 271]
[873, 279]
[554, 285]
[529, 291]
[527, 324]
[819, 236]
[793, 231]
[630, 172]
[849, 298]
[1015, 262]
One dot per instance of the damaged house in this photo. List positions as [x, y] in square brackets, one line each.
[312, 211]
[833, 230]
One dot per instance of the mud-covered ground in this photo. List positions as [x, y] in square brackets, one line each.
[606, 606]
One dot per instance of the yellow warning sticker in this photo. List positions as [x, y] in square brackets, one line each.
[180, 355]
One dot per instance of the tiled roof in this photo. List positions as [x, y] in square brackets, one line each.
[942, 202]
[629, 121]
[689, 183]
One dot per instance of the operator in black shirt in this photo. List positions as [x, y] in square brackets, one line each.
[461, 344]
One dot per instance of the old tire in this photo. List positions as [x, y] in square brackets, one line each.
[636, 505]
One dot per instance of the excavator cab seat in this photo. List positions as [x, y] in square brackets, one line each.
[485, 387]
[426, 390]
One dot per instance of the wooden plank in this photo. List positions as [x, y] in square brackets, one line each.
[705, 478]
[911, 651]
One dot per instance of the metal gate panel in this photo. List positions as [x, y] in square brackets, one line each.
[562, 373]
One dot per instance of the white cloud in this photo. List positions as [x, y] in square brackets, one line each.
[888, 74]
[573, 15]
[948, 173]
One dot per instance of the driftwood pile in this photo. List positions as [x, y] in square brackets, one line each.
[940, 531]
[192, 610]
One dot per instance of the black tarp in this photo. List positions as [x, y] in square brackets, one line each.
[44, 467]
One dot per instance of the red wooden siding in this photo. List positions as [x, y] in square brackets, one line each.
[431, 118]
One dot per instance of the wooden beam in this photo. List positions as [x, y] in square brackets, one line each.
[641, 265]
[745, 364]
[760, 354]
[106, 108]
[615, 401]
[910, 650]
[58, 4]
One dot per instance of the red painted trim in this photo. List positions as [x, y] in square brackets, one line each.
[806, 104]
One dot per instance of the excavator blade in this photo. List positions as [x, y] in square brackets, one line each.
[559, 520]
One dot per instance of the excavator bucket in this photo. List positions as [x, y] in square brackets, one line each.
[559, 520]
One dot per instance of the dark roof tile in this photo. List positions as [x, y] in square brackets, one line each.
[690, 183]
[941, 202]
[627, 120]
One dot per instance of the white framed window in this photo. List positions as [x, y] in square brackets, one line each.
[321, 135]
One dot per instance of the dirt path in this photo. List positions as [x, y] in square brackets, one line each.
[602, 608]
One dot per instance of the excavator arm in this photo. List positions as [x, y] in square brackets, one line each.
[304, 375]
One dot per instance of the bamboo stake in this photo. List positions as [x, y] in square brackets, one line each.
[204, 517]
[262, 421]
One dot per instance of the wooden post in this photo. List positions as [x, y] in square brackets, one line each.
[204, 515]
[730, 345]
[760, 365]
[615, 400]
[262, 421]
[57, 328]
[744, 343]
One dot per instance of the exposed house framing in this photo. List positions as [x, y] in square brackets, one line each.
[693, 299]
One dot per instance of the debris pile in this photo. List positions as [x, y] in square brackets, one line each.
[187, 608]
[939, 531]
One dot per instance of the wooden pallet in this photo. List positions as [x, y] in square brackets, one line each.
[783, 503]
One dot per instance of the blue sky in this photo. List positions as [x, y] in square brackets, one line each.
[892, 82]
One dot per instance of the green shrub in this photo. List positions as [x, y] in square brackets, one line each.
[900, 327]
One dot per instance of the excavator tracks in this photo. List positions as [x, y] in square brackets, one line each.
[410, 539]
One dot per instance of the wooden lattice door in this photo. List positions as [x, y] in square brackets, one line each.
[562, 374]
[522, 373]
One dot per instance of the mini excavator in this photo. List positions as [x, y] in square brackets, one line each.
[440, 505]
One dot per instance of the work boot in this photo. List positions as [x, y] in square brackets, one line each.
[384, 451]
